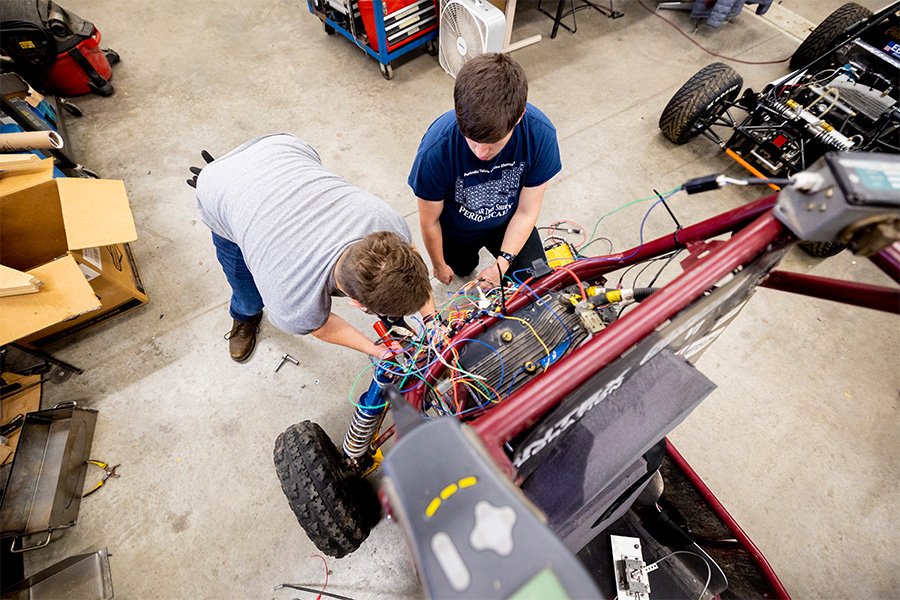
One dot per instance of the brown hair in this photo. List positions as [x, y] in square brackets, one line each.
[489, 95]
[385, 274]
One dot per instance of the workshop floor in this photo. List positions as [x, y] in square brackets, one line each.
[799, 441]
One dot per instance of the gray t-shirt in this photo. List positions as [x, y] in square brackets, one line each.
[292, 219]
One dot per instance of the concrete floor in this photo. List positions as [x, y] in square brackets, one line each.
[799, 441]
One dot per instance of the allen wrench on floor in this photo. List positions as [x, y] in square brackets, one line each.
[286, 358]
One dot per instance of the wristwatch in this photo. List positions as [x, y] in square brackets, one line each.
[509, 257]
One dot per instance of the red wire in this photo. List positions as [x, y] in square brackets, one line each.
[708, 51]
[578, 281]
[319, 597]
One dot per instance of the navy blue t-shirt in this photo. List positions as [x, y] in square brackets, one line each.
[482, 195]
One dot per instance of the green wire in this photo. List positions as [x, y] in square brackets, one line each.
[624, 206]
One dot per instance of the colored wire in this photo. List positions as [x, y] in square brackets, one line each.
[301, 588]
[708, 51]
[535, 333]
[578, 281]
[705, 561]
[663, 268]
[324, 585]
[622, 207]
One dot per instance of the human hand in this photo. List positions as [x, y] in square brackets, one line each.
[443, 273]
[490, 277]
[196, 170]
[386, 350]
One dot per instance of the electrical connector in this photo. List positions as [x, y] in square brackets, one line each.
[707, 183]
[539, 268]
[483, 301]
[808, 182]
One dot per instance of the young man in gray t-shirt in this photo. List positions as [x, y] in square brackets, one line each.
[289, 235]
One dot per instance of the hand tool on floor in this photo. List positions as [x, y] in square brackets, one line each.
[107, 473]
[285, 358]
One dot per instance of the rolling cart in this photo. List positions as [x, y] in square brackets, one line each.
[384, 29]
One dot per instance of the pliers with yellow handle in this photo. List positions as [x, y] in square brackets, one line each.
[107, 473]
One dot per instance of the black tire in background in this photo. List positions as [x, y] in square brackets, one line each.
[821, 249]
[699, 101]
[336, 510]
[827, 33]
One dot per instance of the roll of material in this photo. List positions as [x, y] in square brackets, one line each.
[30, 140]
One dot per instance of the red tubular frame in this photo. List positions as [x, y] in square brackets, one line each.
[756, 230]
[540, 395]
[858, 294]
[888, 260]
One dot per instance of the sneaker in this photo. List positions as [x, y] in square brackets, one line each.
[242, 338]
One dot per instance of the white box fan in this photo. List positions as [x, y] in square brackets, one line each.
[468, 28]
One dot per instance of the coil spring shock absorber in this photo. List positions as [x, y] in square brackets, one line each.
[820, 130]
[369, 411]
[366, 419]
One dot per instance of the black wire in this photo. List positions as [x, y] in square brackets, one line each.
[596, 239]
[668, 262]
[767, 181]
[502, 294]
[639, 273]
[648, 261]
[294, 586]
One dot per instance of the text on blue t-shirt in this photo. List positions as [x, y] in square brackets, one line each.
[482, 195]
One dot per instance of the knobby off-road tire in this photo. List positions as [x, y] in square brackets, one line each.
[336, 511]
[822, 249]
[827, 32]
[699, 101]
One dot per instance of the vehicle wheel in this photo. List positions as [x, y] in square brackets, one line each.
[112, 56]
[700, 101]
[821, 249]
[59, 375]
[337, 510]
[387, 71]
[827, 33]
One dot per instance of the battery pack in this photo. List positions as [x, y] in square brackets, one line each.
[559, 254]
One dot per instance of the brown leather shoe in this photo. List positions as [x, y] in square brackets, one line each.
[242, 338]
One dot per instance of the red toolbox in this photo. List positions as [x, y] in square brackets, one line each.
[404, 21]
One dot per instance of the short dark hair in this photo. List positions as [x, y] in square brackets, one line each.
[385, 274]
[489, 95]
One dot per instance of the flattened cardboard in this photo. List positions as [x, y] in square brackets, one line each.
[19, 163]
[32, 231]
[95, 212]
[13, 282]
[66, 294]
[13, 182]
[22, 402]
[118, 286]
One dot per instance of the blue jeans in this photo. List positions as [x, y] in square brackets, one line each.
[246, 302]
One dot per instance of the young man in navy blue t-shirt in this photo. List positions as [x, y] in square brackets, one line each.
[481, 172]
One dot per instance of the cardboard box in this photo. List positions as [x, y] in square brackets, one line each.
[88, 223]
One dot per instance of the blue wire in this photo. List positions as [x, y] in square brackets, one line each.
[489, 347]
[643, 221]
[552, 312]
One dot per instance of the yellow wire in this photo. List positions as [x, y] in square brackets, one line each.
[527, 324]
